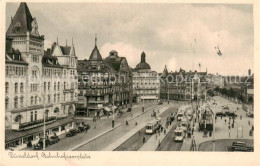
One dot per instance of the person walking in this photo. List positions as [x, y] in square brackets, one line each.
[143, 139]
[159, 143]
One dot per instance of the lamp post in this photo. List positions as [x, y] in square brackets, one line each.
[113, 120]
[44, 127]
[168, 92]
[213, 136]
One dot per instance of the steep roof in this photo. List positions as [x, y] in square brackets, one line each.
[65, 50]
[50, 61]
[95, 55]
[21, 23]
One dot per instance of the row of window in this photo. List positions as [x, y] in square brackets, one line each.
[51, 72]
[15, 70]
[15, 102]
[35, 58]
[15, 87]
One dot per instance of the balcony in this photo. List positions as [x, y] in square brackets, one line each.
[33, 124]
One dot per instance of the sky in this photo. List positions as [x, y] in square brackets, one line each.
[175, 35]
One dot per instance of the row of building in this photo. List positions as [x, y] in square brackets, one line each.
[54, 86]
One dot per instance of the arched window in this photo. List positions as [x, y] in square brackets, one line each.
[6, 87]
[16, 102]
[54, 85]
[6, 103]
[21, 87]
[31, 116]
[56, 110]
[31, 100]
[35, 100]
[58, 85]
[35, 115]
[49, 98]
[21, 101]
[18, 119]
[16, 87]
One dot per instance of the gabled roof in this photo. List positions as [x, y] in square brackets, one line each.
[50, 61]
[21, 23]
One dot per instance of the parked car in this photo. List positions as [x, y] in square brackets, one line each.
[54, 139]
[220, 114]
[71, 133]
[39, 145]
[241, 146]
[231, 114]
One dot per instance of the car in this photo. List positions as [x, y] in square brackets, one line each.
[220, 114]
[231, 114]
[54, 139]
[241, 146]
[39, 145]
[72, 132]
[160, 102]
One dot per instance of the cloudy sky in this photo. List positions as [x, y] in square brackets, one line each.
[176, 35]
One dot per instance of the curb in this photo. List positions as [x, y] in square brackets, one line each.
[91, 139]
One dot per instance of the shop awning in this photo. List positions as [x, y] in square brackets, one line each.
[149, 97]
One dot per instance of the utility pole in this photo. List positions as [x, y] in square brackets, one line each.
[113, 120]
[214, 121]
[44, 127]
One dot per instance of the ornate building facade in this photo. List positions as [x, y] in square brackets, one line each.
[103, 84]
[36, 83]
[183, 85]
[146, 85]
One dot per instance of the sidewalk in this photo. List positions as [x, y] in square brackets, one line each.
[127, 136]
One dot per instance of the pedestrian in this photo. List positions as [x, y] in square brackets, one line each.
[144, 139]
[159, 144]
[210, 133]
[225, 121]
[164, 131]
[252, 128]
[126, 123]
[136, 123]
[139, 132]
[156, 136]
[249, 122]
[240, 117]
[221, 116]
[192, 130]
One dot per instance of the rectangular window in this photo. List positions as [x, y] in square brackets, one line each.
[31, 116]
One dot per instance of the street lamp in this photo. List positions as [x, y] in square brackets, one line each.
[44, 127]
[214, 121]
[168, 91]
[113, 120]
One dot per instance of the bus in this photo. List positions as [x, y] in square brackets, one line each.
[153, 126]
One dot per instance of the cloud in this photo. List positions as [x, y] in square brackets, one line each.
[166, 32]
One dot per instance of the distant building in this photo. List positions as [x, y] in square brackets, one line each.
[146, 85]
[35, 86]
[103, 83]
[247, 89]
[183, 85]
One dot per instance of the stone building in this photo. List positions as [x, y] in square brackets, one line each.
[183, 85]
[103, 84]
[35, 84]
[146, 84]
